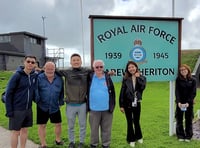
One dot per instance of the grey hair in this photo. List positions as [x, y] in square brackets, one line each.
[51, 63]
[97, 61]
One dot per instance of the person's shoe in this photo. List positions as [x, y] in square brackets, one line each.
[42, 146]
[181, 140]
[132, 144]
[71, 145]
[105, 146]
[187, 140]
[59, 143]
[140, 141]
[93, 146]
[80, 145]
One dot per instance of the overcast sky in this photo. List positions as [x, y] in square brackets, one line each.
[63, 18]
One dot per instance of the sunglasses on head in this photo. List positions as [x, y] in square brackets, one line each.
[97, 67]
[32, 62]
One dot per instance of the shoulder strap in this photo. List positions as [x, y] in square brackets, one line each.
[18, 78]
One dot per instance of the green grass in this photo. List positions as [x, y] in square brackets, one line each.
[154, 120]
[154, 116]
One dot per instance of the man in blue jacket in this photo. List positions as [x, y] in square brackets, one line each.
[19, 96]
[49, 98]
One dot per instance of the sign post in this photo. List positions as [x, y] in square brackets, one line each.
[154, 43]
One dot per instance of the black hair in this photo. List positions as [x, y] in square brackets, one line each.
[127, 73]
[75, 54]
[29, 56]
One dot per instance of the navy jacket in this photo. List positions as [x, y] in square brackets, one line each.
[49, 96]
[20, 91]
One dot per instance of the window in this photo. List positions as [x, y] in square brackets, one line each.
[5, 39]
[35, 40]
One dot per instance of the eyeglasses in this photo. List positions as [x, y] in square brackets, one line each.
[32, 62]
[97, 67]
[183, 69]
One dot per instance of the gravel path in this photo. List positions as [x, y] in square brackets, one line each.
[196, 129]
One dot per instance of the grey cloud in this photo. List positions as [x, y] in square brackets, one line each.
[63, 19]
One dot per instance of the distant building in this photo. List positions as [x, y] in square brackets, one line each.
[14, 46]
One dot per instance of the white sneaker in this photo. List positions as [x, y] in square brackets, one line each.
[181, 140]
[140, 141]
[187, 140]
[132, 144]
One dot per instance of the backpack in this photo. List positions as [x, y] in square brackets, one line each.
[3, 95]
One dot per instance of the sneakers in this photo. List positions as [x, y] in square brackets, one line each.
[59, 143]
[105, 146]
[93, 146]
[42, 146]
[140, 141]
[187, 140]
[80, 145]
[132, 144]
[181, 140]
[71, 145]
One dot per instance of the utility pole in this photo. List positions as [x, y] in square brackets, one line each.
[82, 32]
[43, 23]
[173, 9]
[172, 124]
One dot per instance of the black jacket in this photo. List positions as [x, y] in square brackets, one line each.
[127, 93]
[76, 84]
[185, 90]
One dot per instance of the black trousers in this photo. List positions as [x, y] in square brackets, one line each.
[184, 131]
[133, 123]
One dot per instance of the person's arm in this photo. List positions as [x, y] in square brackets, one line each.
[193, 91]
[61, 98]
[177, 92]
[121, 96]
[37, 94]
[10, 91]
[142, 82]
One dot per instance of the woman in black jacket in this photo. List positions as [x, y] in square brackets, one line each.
[185, 92]
[132, 88]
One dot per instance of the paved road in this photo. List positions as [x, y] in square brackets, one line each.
[5, 140]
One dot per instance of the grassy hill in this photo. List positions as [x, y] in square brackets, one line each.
[190, 57]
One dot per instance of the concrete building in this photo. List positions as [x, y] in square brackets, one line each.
[14, 46]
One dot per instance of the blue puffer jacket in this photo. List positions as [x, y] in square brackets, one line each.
[20, 91]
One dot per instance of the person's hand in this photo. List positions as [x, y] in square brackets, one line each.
[38, 69]
[122, 109]
[111, 73]
[137, 74]
[9, 114]
[179, 105]
[187, 105]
